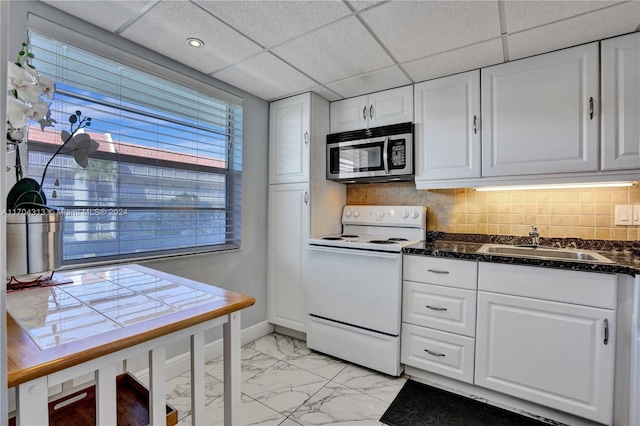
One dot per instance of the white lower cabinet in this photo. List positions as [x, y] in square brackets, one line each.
[447, 354]
[439, 315]
[533, 338]
[557, 354]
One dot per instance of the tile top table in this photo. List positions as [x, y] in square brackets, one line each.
[108, 314]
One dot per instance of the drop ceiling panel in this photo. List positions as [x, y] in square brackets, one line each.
[269, 23]
[337, 51]
[370, 82]
[522, 15]
[412, 30]
[592, 26]
[456, 61]
[166, 27]
[266, 77]
[109, 15]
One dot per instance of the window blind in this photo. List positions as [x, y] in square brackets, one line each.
[167, 176]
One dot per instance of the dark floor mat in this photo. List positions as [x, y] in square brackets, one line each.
[418, 404]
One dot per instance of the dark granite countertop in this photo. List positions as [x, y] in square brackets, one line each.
[626, 254]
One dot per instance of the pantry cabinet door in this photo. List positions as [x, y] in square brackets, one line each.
[621, 103]
[447, 126]
[540, 115]
[289, 139]
[287, 245]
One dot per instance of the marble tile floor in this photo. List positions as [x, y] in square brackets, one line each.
[285, 383]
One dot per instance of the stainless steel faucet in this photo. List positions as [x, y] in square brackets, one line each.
[535, 236]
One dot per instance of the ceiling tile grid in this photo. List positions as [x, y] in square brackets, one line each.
[345, 48]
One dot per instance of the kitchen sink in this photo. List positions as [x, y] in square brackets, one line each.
[543, 252]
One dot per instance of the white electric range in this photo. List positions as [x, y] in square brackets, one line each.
[354, 291]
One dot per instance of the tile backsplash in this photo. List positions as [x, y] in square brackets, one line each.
[558, 213]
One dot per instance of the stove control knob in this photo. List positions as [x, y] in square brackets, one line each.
[347, 213]
[415, 215]
[405, 214]
[356, 213]
[380, 214]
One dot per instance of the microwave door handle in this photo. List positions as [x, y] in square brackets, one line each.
[385, 155]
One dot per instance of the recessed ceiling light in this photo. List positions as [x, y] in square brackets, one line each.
[195, 42]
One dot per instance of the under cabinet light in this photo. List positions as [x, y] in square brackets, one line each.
[555, 186]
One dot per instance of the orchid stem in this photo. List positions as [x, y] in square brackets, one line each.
[80, 126]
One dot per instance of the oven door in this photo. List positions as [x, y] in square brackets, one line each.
[384, 156]
[355, 287]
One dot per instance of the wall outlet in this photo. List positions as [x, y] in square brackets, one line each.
[624, 215]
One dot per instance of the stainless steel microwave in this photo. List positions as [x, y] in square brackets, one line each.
[379, 154]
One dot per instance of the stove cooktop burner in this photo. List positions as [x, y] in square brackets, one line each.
[398, 239]
[332, 238]
[350, 236]
[389, 241]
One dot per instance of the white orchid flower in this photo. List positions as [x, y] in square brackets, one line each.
[38, 111]
[47, 85]
[81, 145]
[25, 85]
[17, 112]
[47, 121]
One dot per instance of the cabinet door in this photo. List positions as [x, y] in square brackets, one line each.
[288, 234]
[621, 102]
[391, 107]
[447, 127]
[551, 353]
[540, 114]
[289, 138]
[349, 114]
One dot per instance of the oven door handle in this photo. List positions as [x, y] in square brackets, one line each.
[354, 252]
[385, 155]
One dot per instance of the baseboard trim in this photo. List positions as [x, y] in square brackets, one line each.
[181, 364]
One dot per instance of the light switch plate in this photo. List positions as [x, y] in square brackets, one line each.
[635, 219]
[624, 215]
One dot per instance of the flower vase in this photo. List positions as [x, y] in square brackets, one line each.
[34, 243]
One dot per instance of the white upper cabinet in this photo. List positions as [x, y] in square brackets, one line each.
[373, 110]
[540, 114]
[289, 138]
[620, 140]
[447, 126]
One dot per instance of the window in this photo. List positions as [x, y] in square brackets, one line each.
[167, 176]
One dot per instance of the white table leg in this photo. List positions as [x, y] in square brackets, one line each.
[198, 399]
[232, 347]
[32, 403]
[106, 400]
[157, 392]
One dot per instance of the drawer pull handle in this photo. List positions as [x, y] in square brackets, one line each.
[606, 331]
[435, 308]
[437, 271]
[434, 353]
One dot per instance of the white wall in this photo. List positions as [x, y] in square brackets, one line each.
[242, 271]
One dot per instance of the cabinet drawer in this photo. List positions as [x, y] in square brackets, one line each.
[436, 270]
[442, 308]
[442, 353]
[582, 288]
